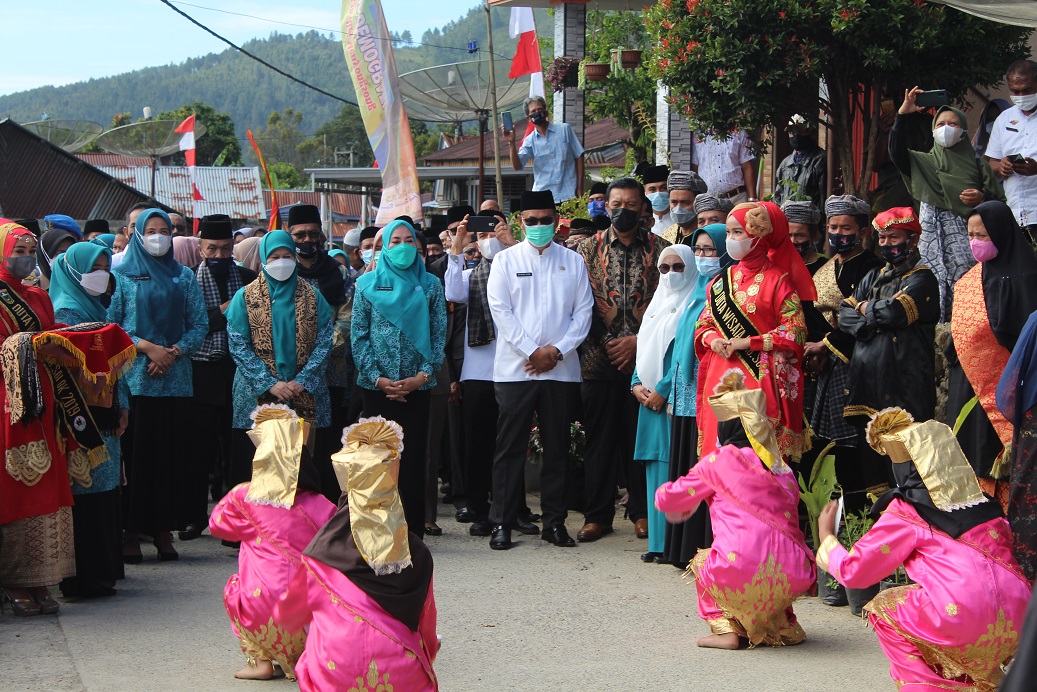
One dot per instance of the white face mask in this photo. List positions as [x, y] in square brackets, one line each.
[1027, 103]
[95, 283]
[674, 281]
[947, 135]
[280, 269]
[157, 244]
[737, 249]
[490, 247]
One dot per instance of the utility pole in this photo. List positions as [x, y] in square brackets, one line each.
[496, 118]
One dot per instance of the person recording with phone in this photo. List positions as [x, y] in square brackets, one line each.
[1011, 151]
[556, 153]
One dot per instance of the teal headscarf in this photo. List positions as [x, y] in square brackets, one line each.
[336, 252]
[282, 312]
[161, 303]
[684, 341]
[66, 271]
[398, 294]
[105, 240]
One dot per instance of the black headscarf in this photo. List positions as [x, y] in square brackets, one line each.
[328, 275]
[911, 489]
[47, 250]
[402, 594]
[1010, 279]
[309, 476]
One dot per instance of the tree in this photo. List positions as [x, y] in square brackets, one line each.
[285, 176]
[280, 140]
[751, 64]
[425, 139]
[219, 138]
[343, 133]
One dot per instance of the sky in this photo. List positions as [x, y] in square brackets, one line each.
[56, 42]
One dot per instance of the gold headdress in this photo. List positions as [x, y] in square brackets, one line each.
[732, 400]
[368, 468]
[279, 435]
[935, 451]
[757, 221]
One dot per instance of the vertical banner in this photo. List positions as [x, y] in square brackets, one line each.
[275, 211]
[365, 41]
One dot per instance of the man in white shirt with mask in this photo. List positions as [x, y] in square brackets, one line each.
[540, 300]
[1012, 149]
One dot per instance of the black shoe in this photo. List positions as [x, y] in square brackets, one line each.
[190, 532]
[501, 538]
[480, 528]
[528, 515]
[651, 557]
[465, 516]
[526, 527]
[558, 536]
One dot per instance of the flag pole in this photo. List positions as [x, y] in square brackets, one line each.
[493, 106]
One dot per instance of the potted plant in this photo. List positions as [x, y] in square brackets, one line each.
[815, 496]
[595, 71]
[898, 578]
[563, 73]
[626, 58]
[574, 475]
[854, 527]
[534, 457]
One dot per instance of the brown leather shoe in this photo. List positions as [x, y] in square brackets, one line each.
[641, 528]
[592, 531]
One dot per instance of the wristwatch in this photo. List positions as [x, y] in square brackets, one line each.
[559, 357]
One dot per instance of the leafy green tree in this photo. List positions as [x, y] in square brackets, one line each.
[750, 64]
[219, 139]
[426, 140]
[342, 133]
[285, 175]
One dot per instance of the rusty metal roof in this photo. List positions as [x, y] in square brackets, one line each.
[106, 159]
[343, 203]
[234, 191]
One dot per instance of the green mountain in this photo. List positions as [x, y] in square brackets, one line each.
[249, 92]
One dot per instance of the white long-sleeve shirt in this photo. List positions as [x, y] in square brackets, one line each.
[539, 300]
[478, 360]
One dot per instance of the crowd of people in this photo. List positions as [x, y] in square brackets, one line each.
[704, 340]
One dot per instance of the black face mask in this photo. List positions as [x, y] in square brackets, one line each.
[843, 244]
[802, 248]
[799, 142]
[307, 249]
[895, 254]
[538, 118]
[219, 266]
[625, 220]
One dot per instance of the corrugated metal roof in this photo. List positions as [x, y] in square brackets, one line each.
[114, 160]
[234, 191]
[38, 178]
[341, 202]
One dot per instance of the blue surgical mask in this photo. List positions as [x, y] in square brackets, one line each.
[596, 208]
[660, 200]
[540, 236]
[708, 266]
[367, 255]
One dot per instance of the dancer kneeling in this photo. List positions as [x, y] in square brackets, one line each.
[958, 625]
[275, 516]
[365, 584]
[759, 563]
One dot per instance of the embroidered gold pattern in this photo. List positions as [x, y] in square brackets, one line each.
[28, 462]
[257, 592]
[331, 665]
[884, 549]
[691, 491]
[272, 643]
[951, 609]
[79, 467]
[759, 607]
[993, 534]
[909, 307]
[731, 557]
[374, 682]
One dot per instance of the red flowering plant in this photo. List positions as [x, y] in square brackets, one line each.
[751, 64]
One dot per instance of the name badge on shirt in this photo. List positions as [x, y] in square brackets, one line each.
[383, 288]
[1011, 129]
[524, 274]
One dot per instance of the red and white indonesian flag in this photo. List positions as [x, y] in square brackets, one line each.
[186, 128]
[527, 53]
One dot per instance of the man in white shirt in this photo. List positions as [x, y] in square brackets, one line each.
[1012, 149]
[654, 180]
[540, 301]
[727, 165]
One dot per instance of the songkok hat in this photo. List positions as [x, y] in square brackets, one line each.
[352, 238]
[438, 222]
[654, 174]
[279, 436]
[368, 470]
[369, 232]
[598, 189]
[406, 218]
[582, 227]
[31, 224]
[733, 400]
[686, 180]
[432, 238]
[936, 454]
[96, 226]
[708, 202]
[898, 217]
[846, 205]
[65, 223]
[802, 212]
[303, 213]
[216, 227]
[538, 200]
[455, 214]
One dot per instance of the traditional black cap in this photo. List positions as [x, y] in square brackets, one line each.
[582, 227]
[433, 239]
[538, 200]
[96, 226]
[599, 189]
[655, 174]
[369, 232]
[32, 224]
[216, 227]
[455, 214]
[405, 218]
[438, 222]
[303, 213]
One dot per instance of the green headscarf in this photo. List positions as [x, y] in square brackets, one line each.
[941, 174]
[66, 271]
[398, 294]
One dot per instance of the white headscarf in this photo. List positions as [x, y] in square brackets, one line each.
[659, 325]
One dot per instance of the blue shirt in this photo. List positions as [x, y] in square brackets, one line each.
[554, 159]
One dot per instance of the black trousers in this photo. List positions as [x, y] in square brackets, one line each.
[553, 403]
[413, 418]
[610, 419]
[479, 412]
[154, 453]
[212, 411]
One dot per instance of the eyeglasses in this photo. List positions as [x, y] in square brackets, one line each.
[542, 221]
[471, 253]
[676, 266]
[704, 251]
[303, 235]
[179, 227]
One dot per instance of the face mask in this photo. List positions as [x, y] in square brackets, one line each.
[674, 281]
[377, 256]
[538, 118]
[280, 269]
[157, 244]
[596, 208]
[895, 254]
[540, 236]
[842, 244]
[738, 249]
[682, 216]
[490, 247]
[708, 266]
[95, 283]
[219, 265]
[983, 250]
[21, 266]
[1026, 103]
[802, 248]
[660, 200]
[799, 142]
[947, 135]
[471, 263]
[625, 220]
[367, 255]
[307, 249]
[401, 256]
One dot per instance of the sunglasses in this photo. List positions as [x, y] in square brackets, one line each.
[312, 235]
[704, 251]
[542, 221]
[676, 266]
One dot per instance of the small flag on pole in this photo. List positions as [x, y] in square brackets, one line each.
[187, 145]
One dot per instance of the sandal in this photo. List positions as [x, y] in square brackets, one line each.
[164, 543]
[21, 607]
[432, 529]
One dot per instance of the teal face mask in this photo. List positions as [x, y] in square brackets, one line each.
[540, 236]
[401, 256]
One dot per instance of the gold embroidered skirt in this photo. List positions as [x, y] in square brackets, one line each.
[37, 551]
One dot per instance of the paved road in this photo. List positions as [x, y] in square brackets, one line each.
[536, 617]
